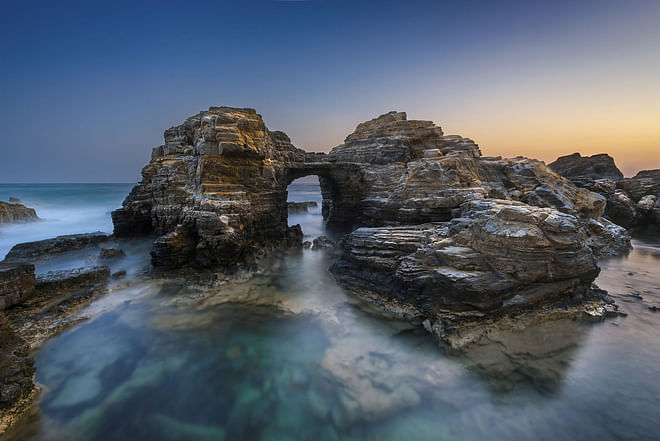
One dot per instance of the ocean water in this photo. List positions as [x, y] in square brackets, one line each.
[287, 355]
[62, 208]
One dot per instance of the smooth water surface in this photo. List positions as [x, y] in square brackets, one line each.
[288, 356]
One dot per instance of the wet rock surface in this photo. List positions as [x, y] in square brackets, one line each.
[16, 284]
[111, 253]
[47, 248]
[16, 374]
[15, 212]
[67, 280]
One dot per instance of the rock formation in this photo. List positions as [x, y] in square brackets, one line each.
[44, 249]
[631, 202]
[16, 213]
[215, 192]
[450, 233]
[34, 308]
[301, 207]
[16, 374]
[16, 284]
[496, 257]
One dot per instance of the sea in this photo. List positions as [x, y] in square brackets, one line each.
[286, 354]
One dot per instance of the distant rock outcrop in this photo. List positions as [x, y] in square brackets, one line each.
[16, 213]
[631, 202]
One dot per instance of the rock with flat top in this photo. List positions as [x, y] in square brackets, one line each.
[43, 249]
[56, 282]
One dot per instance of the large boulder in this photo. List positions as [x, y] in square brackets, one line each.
[498, 257]
[630, 201]
[497, 254]
[16, 213]
[587, 169]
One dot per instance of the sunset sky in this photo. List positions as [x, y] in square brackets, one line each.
[87, 89]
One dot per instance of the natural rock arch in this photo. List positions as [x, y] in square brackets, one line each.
[215, 192]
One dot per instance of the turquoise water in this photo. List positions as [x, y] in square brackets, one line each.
[286, 355]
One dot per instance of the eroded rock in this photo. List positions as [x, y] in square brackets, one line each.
[215, 192]
[16, 374]
[43, 249]
[498, 256]
[16, 284]
[300, 207]
[14, 212]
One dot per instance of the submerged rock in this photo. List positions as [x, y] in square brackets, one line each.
[111, 253]
[15, 212]
[323, 242]
[31, 251]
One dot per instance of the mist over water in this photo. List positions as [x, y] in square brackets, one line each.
[62, 208]
[287, 355]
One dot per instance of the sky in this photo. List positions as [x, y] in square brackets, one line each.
[87, 88]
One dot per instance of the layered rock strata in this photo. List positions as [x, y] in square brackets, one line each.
[631, 202]
[215, 192]
[496, 257]
[16, 284]
[16, 374]
[32, 309]
[16, 213]
[442, 230]
[44, 249]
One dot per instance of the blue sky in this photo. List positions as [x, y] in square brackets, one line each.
[87, 88]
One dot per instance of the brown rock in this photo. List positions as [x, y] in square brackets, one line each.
[16, 213]
[16, 284]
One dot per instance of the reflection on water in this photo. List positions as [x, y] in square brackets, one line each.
[288, 356]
